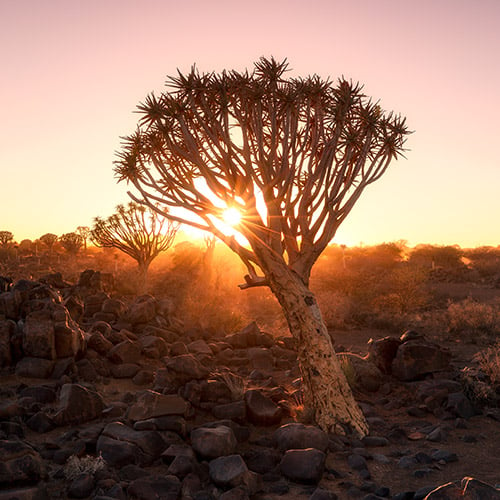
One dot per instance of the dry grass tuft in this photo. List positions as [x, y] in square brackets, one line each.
[471, 316]
[84, 465]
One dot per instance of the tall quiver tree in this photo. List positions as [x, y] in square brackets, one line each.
[137, 231]
[293, 155]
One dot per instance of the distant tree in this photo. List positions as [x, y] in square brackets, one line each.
[6, 239]
[49, 240]
[72, 242]
[84, 232]
[292, 156]
[447, 257]
[26, 247]
[137, 231]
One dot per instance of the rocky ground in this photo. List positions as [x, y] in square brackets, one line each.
[106, 399]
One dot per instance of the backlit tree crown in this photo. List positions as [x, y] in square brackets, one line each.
[291, 154]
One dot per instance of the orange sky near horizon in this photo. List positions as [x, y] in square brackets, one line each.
[73, 73]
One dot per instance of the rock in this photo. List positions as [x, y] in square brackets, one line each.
[142, 310]
[460, 405]
[152, 404]
[304, 466]
[262, 460]
[69, 338]
[78, 404]
[261, 410]
[155, 487]
[300, 436]
[34, 367]
[417, 358]
[40, 422]
[357, 462]
[228, 471]
[40, 393]
[260, 358]
[81, 486]
[125, 352]
[235, 411]
[121, 445]
[381, 352]
[367, 376]
[38, 492]
[212, 443]
[113, 306]
[374, 441]
[39, 335]
[7, 331]
[235, 494]
[20, 463]
[151, 342]
[446, 456]
[322, 494]
[99, 343]
[186, 367]
[477, 490]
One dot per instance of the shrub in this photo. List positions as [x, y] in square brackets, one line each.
[489, 362]
[471, 316]
[85, 465]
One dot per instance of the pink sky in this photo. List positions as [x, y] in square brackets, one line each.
[73, 72]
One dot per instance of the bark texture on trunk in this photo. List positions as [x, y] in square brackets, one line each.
[326, 390]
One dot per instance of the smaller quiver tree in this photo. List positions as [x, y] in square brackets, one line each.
[72, 242]
[49, 240]
[136, 231]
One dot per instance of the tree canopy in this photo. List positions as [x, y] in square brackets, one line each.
[293, 155]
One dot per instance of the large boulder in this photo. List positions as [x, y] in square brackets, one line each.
[417, 358]
[300, 436]
[186, 367]
[304, 466]
[381, 352]
[261, 410]
[77, 404]
[142, 310]
[214, 442]
[39, 335]
[20, 464]
[7, 330]
[152, 404]
[120, 445]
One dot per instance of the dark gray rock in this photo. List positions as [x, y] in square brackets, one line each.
[125, 352]
[38, 492]
[82, 486]
[155, 487]
[120, 445]
[213, 442]
[322, 494]
[152, 404]
[186, 367]
[300, 436]
[262, 460]
[7, 331]
[77, 404]
[142, 310]
[235, 411]
[40, 422]
[305, 466]
[34, 367]
[460, 405]
[228, 472]
[261, 410]
[417, 358]
[20, 463]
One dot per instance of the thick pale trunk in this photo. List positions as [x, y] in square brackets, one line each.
[326, 390]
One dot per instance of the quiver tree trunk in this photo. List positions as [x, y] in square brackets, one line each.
[325, 388]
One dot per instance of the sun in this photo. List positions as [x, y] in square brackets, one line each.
[231, 216]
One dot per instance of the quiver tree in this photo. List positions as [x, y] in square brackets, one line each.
[84, 232]
[71, 242]
[49, 240]
[293, 155]
[6, 239]
[137, 231]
